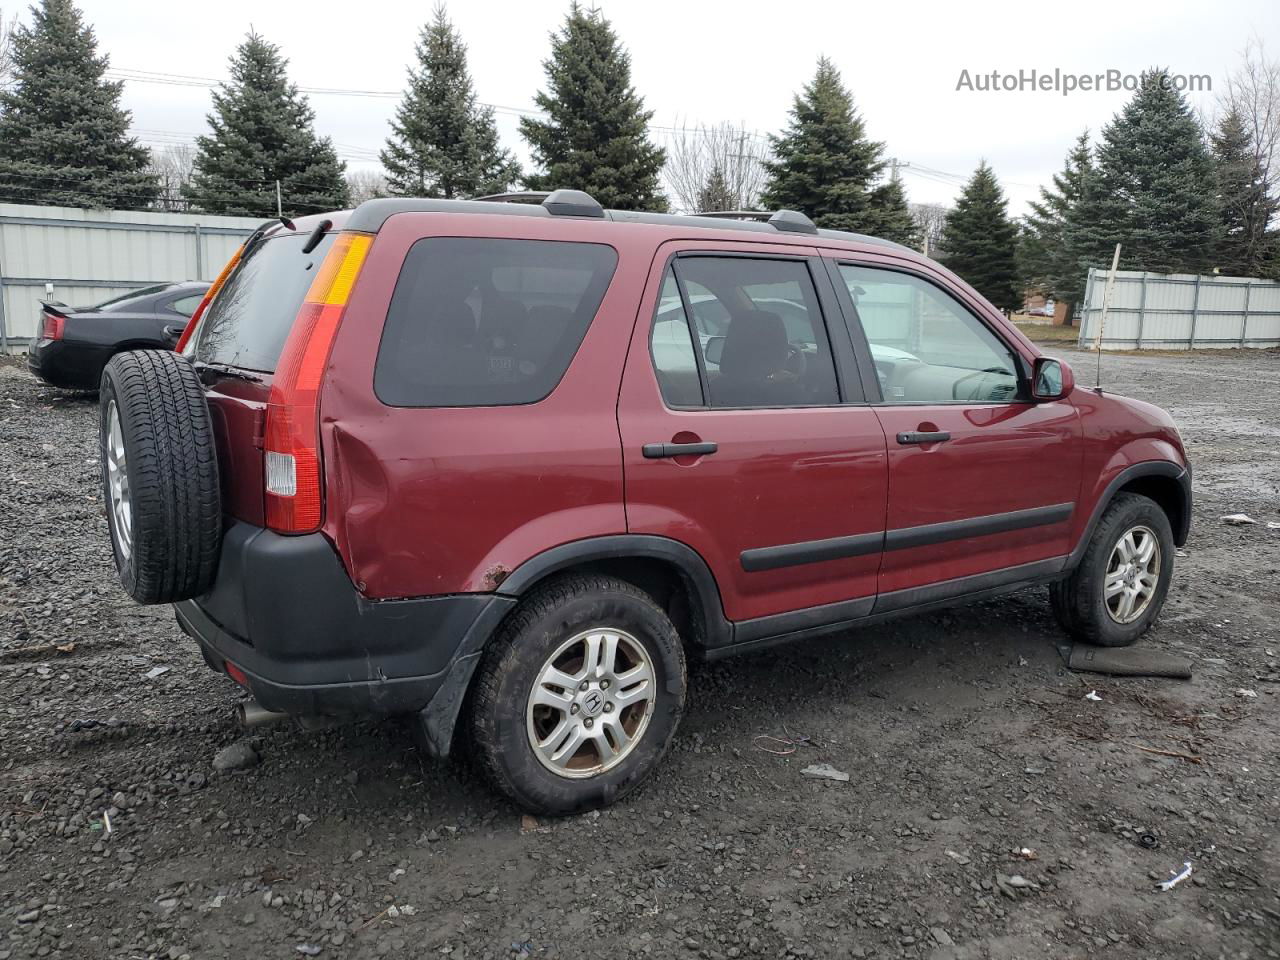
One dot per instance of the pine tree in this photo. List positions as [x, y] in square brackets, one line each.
[1046, 260]
[263, 132]
[1245, 206]
[443, 143]
[1154, 191]
[595, 137]
[63, 134]
[981, 240]
[825, 166]
[716, 194]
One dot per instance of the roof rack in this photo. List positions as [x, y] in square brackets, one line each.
[558, 203]
[517, 196]
[788, 221]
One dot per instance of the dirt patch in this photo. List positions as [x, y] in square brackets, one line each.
[966, 741]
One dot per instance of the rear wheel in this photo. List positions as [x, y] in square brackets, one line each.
[1116, 592]
[579, 696]
[159, 476]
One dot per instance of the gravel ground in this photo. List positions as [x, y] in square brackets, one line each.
[966, 740]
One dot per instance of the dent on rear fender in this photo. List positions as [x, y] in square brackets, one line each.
[363, 487]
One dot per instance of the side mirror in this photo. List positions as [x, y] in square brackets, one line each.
[171, 333]
[1051, 379]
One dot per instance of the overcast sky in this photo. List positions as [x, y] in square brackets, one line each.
[702, 61]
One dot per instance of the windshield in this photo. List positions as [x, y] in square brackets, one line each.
[251, 316]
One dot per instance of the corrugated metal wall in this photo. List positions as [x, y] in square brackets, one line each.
[91, 255]
[1181, 311]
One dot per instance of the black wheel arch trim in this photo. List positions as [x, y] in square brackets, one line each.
[1146, 468]
[627, 546]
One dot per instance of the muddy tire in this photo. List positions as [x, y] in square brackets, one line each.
[578, 696]
[1116, 592]
[159, 476]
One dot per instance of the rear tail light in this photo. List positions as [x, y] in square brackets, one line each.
[52, 326]
[208, 298]
[294, 495]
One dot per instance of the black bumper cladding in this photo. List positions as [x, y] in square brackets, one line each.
[284, 611]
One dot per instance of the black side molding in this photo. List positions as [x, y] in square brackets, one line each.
[932, 533]
[858, 545]
[812, 551]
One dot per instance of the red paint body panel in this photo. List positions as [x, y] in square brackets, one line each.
[1000, 458]
[238, 410]
[444, 500]
[427, 501]
[779, 476]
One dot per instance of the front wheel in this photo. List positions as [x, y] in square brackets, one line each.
[1116, 592]
[579, 696]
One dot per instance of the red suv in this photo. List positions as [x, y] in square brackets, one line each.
[505, 466]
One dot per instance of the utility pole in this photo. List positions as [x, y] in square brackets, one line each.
[279, 205]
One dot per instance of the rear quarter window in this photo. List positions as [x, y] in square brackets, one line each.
[487, 322]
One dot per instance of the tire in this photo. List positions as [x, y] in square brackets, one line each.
[1079, 601]
[504, 722]
[166, 522]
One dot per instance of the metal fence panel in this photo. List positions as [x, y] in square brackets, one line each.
[91, 255]
[1181, 311]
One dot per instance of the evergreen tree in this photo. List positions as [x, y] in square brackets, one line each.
[981, 240]
[443, 143]
[63, 134]
[263, 132]
[1154, 191]
[595, 137]
[1245, 207]
[825, 166]
[1047, 262]
[716, 194]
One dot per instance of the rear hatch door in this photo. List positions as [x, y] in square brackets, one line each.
[236, 347]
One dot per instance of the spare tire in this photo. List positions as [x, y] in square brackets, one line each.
[159, 476]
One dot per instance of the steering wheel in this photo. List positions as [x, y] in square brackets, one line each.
[955, 389]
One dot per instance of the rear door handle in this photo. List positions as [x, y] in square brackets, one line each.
[656, 451]
[923, 436]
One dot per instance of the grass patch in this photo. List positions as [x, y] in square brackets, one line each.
[1047, 331]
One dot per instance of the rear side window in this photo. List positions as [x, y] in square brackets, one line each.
[751, 330]
[252, 314]
[480, 322]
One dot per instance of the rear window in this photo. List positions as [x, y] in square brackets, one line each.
[252, 314]
[126, 301]
[482, 322]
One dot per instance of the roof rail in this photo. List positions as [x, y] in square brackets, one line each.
[518, 196]
[787, 221]
[558, 203]
[761, 215]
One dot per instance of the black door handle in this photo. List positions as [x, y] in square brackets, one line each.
[656, 451]
[923, 436]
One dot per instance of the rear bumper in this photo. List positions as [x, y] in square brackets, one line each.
[284, 611]
[66, 363]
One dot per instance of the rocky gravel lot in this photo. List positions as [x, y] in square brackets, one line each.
[967, 742]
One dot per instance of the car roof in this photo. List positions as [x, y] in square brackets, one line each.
[372, 214]
[783, 226]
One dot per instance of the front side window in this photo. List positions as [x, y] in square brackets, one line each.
[927, 348]
[757, 330]
[478, 322]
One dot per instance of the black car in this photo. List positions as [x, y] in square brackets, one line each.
[75, 343]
